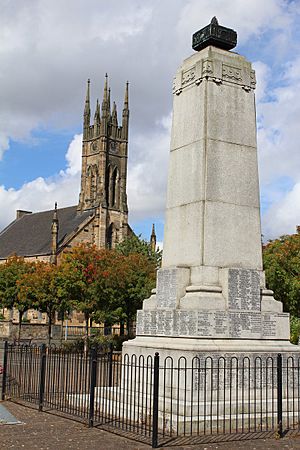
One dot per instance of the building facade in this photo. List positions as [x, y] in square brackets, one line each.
[101, 216]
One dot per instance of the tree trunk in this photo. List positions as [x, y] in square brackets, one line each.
[62, 327]
[122, 328]
[20, 324]
[128, 323]
[86, 337]
[49, 327]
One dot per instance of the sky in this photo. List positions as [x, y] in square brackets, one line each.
[49, 49]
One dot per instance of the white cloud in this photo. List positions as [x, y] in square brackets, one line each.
[48, 50]
[146, 193]
[73, 155]
[278, 144]
[40, 194]
[251, 19]
[283, 216]
[147, 172]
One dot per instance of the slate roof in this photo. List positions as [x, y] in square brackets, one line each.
[30, 235]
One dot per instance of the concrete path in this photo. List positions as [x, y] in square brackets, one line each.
[6, 418]
[44, 431]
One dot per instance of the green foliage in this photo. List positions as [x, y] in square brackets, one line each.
[105, 343]
[135, 244]
[108, 286]
[78, 270]
[122, 284]
[11, 274]
[282, 267]
[295, 329]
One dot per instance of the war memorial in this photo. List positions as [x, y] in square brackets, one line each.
[211, 359]
[222, 339]
[211, 294]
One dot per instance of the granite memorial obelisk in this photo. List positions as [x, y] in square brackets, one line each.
[211, 293]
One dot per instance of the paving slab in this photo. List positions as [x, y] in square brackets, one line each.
[44, 431]
[6, 418]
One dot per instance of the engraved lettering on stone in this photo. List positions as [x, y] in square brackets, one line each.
[166, 288]
[244, 324]
[243, 289]
[233, 74]
[205, 324]
[164, 325]
[258, 372]
[220, 323]
[188, 76]
[269, 325]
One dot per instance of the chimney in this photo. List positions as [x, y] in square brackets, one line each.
[21, 212]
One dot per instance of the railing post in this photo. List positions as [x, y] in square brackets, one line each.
[4, 370]
[155, 401]
[93, 377]
[110, 365]
[42, 376]
[279, 396]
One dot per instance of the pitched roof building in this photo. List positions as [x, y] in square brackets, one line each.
[101, 216]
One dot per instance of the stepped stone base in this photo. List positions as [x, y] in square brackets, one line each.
[193, 347]
[229, 311]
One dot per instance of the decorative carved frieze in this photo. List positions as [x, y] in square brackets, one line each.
[252, 79]
[188, 76]
[218, 74]
[207, 68]
[232, 74]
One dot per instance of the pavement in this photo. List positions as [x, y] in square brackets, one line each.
[45, 431]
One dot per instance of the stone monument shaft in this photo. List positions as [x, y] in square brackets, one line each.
[211, 293]
[213, 217]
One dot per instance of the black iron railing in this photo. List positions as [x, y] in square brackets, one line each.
[158, 400]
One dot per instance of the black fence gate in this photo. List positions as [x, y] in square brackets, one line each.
[204, 399]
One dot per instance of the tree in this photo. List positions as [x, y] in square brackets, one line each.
[282, 267]
[122, 283]
[12, 273]
[41, 289]
[135, 244]
[106, 285]
[80, 270]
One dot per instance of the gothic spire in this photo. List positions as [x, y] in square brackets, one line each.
[108, 101]
[125, 120]
[87, 98]
[87, 112]
[97, 113]
[114, 114]
[114, 121]
[54, 233]
[153, 239]
[105, 94]
[126, 96]
[97, 119]
[105, 108]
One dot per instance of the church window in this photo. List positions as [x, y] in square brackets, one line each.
[109, 236]
[107, 184]
[114, 188]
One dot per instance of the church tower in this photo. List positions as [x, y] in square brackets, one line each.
[104, 169]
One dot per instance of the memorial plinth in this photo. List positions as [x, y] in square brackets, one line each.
[211, 294]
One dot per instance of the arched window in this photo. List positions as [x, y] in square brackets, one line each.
[107, 184]
[94, 181]
[109, 236]
[114, 190]
[89, 183]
